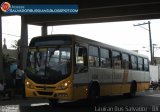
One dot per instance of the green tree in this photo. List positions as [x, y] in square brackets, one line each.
[16, 44]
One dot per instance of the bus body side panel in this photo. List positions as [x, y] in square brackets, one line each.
[138, 76]
[147, 79]
[94, 74]
[127, 79]
[117, 81]
[80, 86]
[106, 83]
[146, 76]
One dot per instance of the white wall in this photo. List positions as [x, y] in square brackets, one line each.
[158, 71]
[153, 73]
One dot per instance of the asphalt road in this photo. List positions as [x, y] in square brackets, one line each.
[146, 101]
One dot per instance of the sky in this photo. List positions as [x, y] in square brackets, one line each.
[121, 34]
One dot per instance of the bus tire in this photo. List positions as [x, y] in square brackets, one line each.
[133, 89]
[53, 102]
[93, 94]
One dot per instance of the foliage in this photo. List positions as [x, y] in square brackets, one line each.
[16, 44]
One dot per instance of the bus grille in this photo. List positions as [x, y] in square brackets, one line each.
[44, 93]
[46, 87]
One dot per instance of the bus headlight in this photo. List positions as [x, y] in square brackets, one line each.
[29, 85]
[64, 85]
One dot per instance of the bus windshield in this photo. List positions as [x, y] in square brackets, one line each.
[52, 64]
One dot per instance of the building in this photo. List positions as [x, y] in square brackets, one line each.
[157, 61]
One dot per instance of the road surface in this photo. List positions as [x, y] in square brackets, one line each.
[146, 101]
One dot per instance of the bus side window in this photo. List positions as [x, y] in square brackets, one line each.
[105, 58]
[116, 59]
[81, 59]
[134, 62]
[140, 63]
[146, 65]
[93, 56]
[125, 61]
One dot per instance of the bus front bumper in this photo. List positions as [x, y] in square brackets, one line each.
[56, 94]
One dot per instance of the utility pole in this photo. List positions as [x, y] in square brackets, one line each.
[154, 47]
[150, 38]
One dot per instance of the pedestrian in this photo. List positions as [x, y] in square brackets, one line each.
[19, 79]
[1, 89]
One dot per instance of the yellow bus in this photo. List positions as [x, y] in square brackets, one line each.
[70, 67]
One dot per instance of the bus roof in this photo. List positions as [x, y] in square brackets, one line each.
[82, 40]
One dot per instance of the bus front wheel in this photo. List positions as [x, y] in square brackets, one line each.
[93, 94]
[53, 102]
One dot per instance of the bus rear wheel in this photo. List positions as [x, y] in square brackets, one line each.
[133, 89]
[93, 95]
[53, 102]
